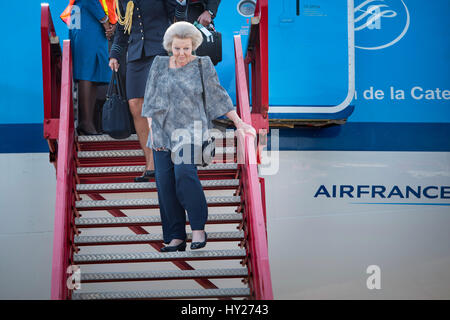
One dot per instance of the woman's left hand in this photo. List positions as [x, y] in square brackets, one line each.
[205, 18]
[246, 128]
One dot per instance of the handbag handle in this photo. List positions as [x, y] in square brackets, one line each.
[120, 88]
[111, 87]
[115, 86]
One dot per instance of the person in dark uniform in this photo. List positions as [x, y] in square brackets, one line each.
[203, 11]
[139, 34]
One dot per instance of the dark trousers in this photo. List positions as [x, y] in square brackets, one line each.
[179, 191]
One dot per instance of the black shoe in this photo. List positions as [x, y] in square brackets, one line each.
[82, 132]
[146, 176]
[199, 245]
[180, 247]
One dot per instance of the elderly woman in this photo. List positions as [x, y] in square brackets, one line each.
[173, 100]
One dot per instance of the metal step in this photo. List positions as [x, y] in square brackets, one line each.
[105, 138]
[158, 256]
[148, 238]
[133, 137]
[146, 203]
[164, 294]
[140, 169]
[150, 186]
[135, 153]
[164, 275]
[108, 222]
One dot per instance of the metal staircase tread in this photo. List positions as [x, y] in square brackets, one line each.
[101, 258]
[164, 294]
[104, 138]
[150, 185]
[151, 237]
[147, 220]
[135, 153]
[140, 169]
[133, 137]
[144, 203]
[163, 275]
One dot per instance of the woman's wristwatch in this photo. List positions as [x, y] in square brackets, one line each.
[106, 18]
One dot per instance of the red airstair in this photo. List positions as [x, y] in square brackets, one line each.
[107, 232]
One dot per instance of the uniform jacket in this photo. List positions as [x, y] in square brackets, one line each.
[151, 18]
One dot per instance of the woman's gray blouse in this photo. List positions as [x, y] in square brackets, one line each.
[173, 99]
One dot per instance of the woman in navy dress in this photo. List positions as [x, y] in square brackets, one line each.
[90, 58]
[139, 34]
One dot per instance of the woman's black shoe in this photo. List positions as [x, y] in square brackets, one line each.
[82, 132]
[199, 245]
[146, 176]
[180, 247]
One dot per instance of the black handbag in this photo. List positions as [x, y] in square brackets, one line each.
[117, 121]
[208, 146]
[211, 45]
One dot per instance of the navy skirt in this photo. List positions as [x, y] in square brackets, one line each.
[137, 74]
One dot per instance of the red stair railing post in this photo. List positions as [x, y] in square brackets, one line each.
[64, 179]
[257, 242]
[257, 55]
[51, 76]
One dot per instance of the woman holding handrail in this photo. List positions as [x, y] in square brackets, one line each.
[174, 100]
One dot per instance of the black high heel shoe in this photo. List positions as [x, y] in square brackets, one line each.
[199, 245]
[180, 247]
[145, 176]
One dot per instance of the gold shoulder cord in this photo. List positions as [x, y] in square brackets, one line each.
[126, 21]
[105, 7]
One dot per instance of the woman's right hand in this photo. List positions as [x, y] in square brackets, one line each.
[114, 64]
[246, 128]
[149, 120]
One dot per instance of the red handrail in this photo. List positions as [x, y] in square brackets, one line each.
[261, 282]
[62, 251]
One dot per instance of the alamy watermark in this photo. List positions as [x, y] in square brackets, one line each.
[74, 280]
[374, 280]
[75, 18]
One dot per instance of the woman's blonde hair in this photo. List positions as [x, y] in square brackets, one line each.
[182, 30]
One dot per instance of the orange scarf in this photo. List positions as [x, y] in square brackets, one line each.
[109, 6]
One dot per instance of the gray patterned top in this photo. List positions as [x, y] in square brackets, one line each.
[173, 99]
